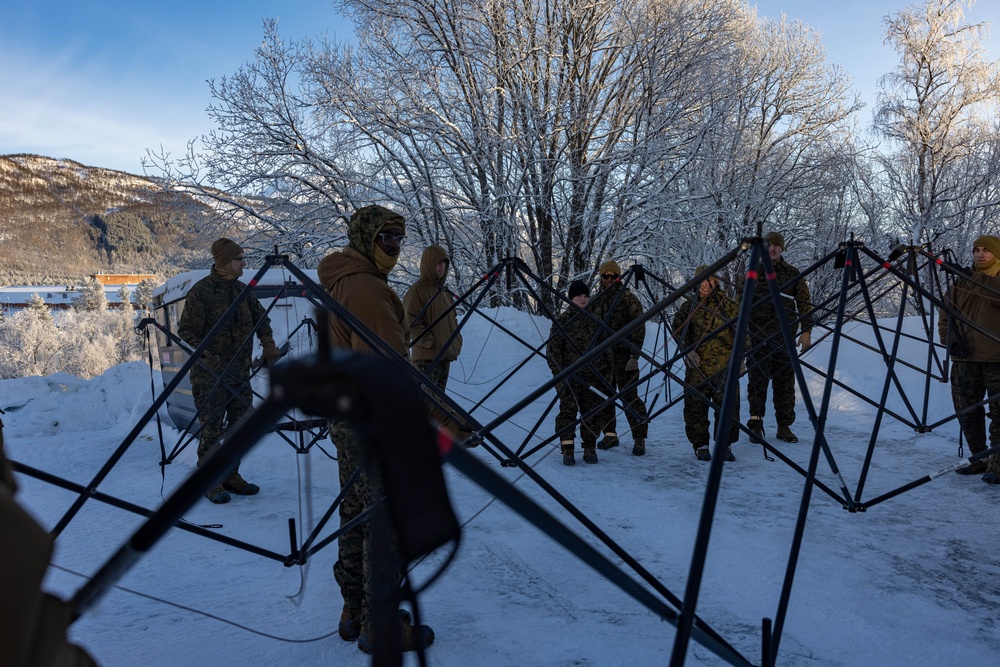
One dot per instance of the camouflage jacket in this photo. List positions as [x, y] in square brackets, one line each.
[980, 306]
[795, 299]
[204, 306]
[694, 323]
[623, 310]
[571, 335]
[425, 302]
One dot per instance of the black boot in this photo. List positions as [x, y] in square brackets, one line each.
[785, 433]
[610, 440]
[218, 495]
[977, 468]
[240, 486]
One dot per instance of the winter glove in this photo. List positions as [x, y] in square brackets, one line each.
[469, 439]
[692, 360]
[957, 269]
[212, 361]
[632, 365]
[271, 353]
[805, 341]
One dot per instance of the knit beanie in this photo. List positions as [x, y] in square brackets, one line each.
[224, 251]
[611, 266]
[774, 238]
[991, 243]
[578, 287]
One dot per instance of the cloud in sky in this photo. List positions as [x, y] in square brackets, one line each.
[58, 111]
[103, 81]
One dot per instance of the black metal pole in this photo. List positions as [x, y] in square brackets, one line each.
[820, 422]
[153, 409]
[214, 468]
[686, 620]
[493, 483]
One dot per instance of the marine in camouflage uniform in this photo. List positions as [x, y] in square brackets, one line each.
[975, 357]
[231, 350]
[616, 306]
[571, 335]
[768, 360]
[697, 323]
[431, 317]
[357, 278]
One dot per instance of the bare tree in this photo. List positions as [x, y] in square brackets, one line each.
[274, 171]
[530, 130]
[560, 133]
[779, 137]
[933, 109]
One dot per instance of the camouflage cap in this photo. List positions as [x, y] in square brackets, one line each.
[369, 221]
[702, 269]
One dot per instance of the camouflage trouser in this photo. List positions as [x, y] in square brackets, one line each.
[764, 368]
[353, 569]
[576, 397]
[636, 409]
[971, 382]
[439, 375]
[212, 407]
[696, 409]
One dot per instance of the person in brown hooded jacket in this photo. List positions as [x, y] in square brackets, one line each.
[357, 277]
[32, 623]
[975, 356]
[431, 317]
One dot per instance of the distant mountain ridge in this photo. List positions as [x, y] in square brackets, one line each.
[61, 220]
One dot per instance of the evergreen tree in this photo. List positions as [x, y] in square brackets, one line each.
[91, 296]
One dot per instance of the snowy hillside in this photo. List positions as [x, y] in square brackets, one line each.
[914, 580]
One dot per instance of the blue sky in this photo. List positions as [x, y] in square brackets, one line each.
[99, 82]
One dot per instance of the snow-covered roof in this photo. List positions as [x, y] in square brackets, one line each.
[176, 287]
[18, 296]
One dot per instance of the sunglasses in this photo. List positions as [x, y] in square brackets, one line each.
[389, 238]
[610, 276]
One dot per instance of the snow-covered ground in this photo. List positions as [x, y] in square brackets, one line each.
[914, 580]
